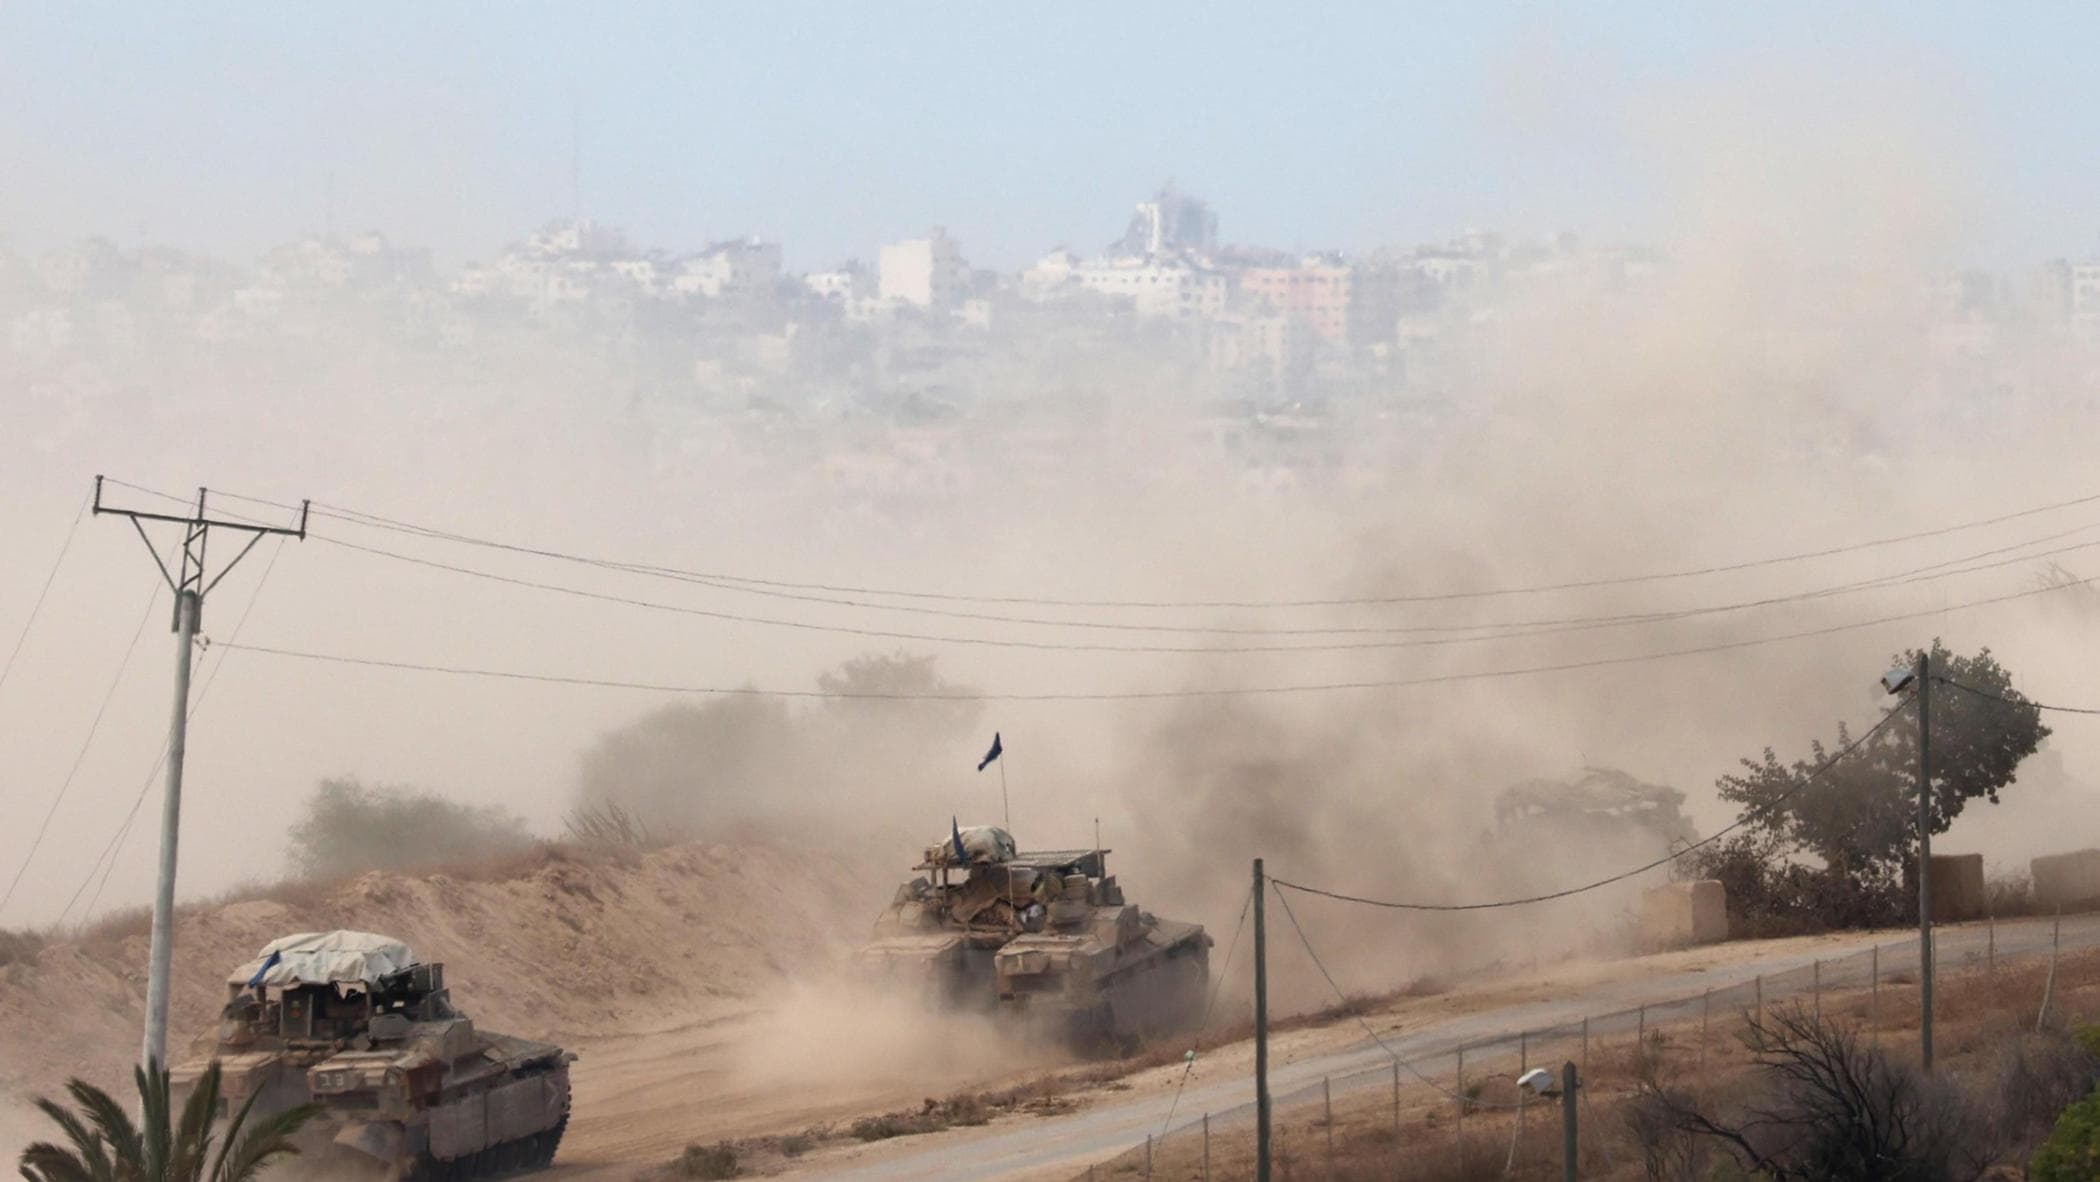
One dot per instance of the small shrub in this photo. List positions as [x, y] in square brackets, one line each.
[2072, 1152]
[19, 946]
[707, 1161]
[349, 828]
[795, 1144]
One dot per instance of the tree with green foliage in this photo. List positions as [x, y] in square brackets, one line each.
[349, 828]
[106, 1145]
[1858, 820]
[2072, 1152]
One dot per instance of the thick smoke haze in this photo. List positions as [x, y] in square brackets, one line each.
[1779, 375]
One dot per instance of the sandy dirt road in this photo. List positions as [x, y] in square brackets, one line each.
[1034, 1149]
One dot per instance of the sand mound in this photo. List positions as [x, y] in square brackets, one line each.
[556, 946]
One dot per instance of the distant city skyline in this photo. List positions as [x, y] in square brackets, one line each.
[821, 129]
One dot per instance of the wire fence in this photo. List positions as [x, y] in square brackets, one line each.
[1436, 1091]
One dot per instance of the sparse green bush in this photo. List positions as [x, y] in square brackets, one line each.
[349, 828]
[795, 1144]
[707, 1161]
[2072, 1152]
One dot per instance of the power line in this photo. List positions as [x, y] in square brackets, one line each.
[1217, 988]
[94, 728]
[1486, 630]
[2016, 700]
[1146, 695]
[379, 522]
[1490, 631]
[116, 840]
[1343, 999]
[1711, 838]
[35, 608]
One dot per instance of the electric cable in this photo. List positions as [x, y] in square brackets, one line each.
[116, 840]
[1486, 631]
[1343, 999]
[1217, 987]
[94, 727]
[2014, 701]
[1451, 633]
[37, 607]
[377, 521]
[1749, 816]
[1148, 695]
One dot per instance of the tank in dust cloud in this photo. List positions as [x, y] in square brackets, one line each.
[410, 1090]
[1043, 939]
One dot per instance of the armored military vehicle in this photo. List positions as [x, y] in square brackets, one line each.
[410, 1090]
[1044, 939]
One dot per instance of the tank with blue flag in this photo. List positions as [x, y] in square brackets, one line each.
[1044, 940]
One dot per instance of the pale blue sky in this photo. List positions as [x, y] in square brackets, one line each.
[835, 127]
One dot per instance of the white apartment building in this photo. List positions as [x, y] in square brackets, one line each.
[744, 267]
[1157, 289]
[928, 272]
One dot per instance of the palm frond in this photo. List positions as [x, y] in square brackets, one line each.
[45, 1162]
[248, 1150]
[194, 1137]
[111, 1124]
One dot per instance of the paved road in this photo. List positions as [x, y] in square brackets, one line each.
[1110, 1126]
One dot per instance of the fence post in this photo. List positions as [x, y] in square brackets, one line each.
[1327, 1103]
[2049, 983]
[1396, 1116]
[1874, 995]
[1706, 1005]
[1760, 997]
[1816, 985]
[1206, 1147]
[1640, 1037]
[1461, 1108]
[1148, 1157]
[1991, 949]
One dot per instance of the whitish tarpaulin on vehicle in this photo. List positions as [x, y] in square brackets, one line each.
[322, 958]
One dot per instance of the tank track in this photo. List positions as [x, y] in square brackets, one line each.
[504, 1160]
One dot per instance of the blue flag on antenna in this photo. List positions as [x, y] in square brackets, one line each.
[255, 982]
[955, 832]
[991, 755]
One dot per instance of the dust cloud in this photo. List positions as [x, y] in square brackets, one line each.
[1780, 373]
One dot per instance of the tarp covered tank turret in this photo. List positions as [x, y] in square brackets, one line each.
[1044, 938]
[410, 1090]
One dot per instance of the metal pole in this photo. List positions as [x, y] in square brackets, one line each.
[1568, 1083]
[1461, 1108]
[2049, 982]
[1005, 810]
[1816, 985]
[1261, 1029]
[1991, 950]
[1585, 1045]
[1327, 1102]
[1874, 994]
[1925, 858]
[1760, 983]
[155, 1050]
[1640, 1038]
[1706, 1005]
[1148, 1157]
[1206, 1147]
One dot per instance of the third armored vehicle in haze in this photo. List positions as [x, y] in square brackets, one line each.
[410, 1091]
[1044, 938]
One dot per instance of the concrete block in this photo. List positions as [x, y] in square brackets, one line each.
[1957, 886]
[2066, 880]
[1680, 913]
